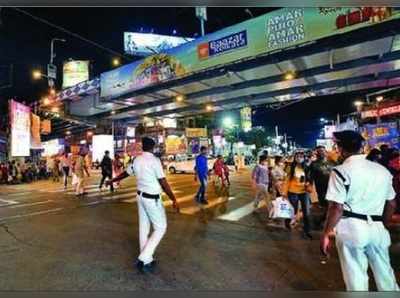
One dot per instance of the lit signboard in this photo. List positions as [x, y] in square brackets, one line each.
[75, 72]
[101, 143]
[144, 44]
[20, 120]
[53, 147]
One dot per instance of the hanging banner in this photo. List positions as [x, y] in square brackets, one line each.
[35, 132]
[20, 122]
[277, 30]
[384, 133]
[45, 127]
[196, 132]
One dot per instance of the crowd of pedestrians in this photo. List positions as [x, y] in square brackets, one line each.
[14, 172]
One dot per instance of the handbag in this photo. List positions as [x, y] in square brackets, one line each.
[74, 179]
[281, 208]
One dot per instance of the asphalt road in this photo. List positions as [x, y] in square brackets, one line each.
[49, 240]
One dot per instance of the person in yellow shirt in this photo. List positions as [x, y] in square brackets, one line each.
[296, 189]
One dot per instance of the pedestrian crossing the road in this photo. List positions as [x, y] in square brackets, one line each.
[50, 197]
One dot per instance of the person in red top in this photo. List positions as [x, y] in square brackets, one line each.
[219, 169]
[226, 173]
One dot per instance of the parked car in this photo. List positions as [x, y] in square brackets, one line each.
[181, 163]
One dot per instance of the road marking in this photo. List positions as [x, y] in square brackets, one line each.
[194, 209]
[8, 202]
[18, 194]
[241, 212]
[31, 214]
[31, 204]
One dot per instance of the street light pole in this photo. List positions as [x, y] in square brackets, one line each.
[52, 56]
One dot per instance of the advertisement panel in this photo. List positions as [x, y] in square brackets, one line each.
[195, 132]
[395, 109]
[53, 147]
[144, 44]
[329, 130]
[101, 143]
[245, 119]
[75, 72]
[45, 127]
[175, 145]
[20, 122]
[384, 133]
[276, 30]
[35, 132]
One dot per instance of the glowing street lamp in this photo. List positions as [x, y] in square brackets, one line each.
[116, 62]
[227, 122]
[37, 74]
[289, 75]
[180, 98]
[379, 98]
[358, 103]
[209, 107]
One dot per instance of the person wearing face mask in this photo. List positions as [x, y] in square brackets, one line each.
[260, 181]
[361, 204]
[318, 173]
[296, 190]
[278, 176]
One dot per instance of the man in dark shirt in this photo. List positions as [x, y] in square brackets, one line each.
[106, 170]
[318, 173]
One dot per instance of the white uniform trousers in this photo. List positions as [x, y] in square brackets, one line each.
[151, 212]
[360, 243]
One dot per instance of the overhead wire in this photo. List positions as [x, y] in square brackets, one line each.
[93, 43]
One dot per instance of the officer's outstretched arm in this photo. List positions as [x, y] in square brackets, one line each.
[118, 178]
[390, 207]
[166, 188]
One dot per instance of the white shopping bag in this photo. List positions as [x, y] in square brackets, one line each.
[74, 180]
[281, 208]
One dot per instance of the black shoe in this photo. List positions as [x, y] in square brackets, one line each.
[204, 202]
[139, 265]
[288, 226]
[307, 235]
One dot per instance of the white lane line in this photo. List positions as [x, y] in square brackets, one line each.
[18, 194]
[8, 202]
[193, 209]
[31, 214]
[30, 204]
[241, 212]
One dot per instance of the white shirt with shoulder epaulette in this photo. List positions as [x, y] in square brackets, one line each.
[148, 169]
[370, 186]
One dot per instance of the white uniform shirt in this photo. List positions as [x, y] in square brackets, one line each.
[148, 169]
[370, 186]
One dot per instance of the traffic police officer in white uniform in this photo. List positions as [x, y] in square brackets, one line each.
[361, 203]
[150, 183]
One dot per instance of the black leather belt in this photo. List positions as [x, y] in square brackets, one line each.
[362, 216]
[148, 196]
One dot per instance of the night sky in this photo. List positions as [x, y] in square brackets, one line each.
[25, 42]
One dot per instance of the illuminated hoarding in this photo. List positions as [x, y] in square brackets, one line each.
[144, 44]
[75, 72]
[35, 132]
[101, 143]
[53, 147]
[245, 119]
[277, 30]
[20, 121]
